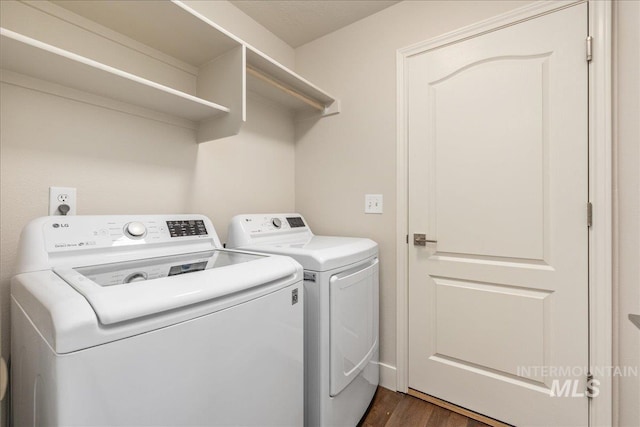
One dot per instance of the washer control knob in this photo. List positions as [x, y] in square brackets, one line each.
[135, 229]
[276, 222]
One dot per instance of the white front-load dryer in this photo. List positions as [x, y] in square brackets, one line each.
[341, 286]
[147, 321]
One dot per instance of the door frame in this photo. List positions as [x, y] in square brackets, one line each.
[600, 190]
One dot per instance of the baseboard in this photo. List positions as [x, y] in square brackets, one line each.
[388, 376]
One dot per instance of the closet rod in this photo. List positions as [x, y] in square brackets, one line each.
[257, 73]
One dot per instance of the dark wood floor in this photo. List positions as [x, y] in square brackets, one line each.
[393, 409]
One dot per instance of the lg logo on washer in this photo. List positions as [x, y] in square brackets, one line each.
[56, 225]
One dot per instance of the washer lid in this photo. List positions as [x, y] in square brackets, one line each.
[323, 253]
[127, 290]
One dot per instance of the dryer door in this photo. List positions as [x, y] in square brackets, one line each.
[354, 322]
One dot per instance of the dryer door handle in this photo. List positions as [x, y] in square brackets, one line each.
[359, 269]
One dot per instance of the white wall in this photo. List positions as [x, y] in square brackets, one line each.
[250, 172]
[626, 243]
[243, 26]
[117, 162]
[343, 157]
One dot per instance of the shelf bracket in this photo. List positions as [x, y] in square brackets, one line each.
[332, 109]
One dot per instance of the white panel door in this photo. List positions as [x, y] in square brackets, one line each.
[497, 128]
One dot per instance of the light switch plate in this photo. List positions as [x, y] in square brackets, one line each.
[373, 203]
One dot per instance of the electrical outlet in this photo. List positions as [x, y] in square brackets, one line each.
[62, 196]
[373, 203]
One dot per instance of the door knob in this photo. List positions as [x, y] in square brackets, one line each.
[421, 240]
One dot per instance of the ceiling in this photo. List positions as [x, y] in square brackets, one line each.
[299, 21]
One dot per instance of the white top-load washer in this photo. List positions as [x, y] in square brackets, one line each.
[147, 321]
[341, 311]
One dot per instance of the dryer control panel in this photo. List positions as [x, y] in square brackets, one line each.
[263, 228]
[256, 224]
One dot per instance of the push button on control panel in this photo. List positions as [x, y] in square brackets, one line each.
[184, 228]
[135, 229]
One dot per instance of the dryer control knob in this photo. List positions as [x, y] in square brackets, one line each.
[276, 222]
[135, 229]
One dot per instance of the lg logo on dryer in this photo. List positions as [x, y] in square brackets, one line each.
[56, 225]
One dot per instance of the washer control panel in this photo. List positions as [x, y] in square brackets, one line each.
[92, 232]
[64, 241]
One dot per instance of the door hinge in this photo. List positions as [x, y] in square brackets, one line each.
[589, 48]
[407, 239]
[591, 391]
[589, 214]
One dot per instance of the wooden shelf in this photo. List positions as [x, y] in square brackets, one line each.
[169, 42]
[272, 80]
[167, 26]
[31, 57]
[196, 40]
